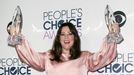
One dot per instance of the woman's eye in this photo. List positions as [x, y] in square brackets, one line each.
[70, 34]
[62, 34]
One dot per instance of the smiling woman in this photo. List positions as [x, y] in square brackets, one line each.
[67, 41]
[66, 57]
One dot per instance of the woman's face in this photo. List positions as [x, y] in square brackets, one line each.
[66, 38]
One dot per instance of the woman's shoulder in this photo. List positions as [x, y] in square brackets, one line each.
[48, 54]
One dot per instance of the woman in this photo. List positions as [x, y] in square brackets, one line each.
[65, 57]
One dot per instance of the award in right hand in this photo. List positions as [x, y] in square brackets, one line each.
[14, 28]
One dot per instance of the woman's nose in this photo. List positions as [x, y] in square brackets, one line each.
[66, 35]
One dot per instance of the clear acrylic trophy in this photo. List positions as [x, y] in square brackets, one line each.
[15, 27]
[110, 19]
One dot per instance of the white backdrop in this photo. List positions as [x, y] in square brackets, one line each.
[92, 31]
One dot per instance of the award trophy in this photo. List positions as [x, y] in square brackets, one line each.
[114, 17]
[109, 17]
[14, 28]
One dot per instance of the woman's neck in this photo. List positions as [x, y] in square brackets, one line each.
[65, 55]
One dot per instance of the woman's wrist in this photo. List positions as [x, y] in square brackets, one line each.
[14, 40]
[114, 37]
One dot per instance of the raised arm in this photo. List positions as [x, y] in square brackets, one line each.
[107, 52]
[27, 55]
[105, 56]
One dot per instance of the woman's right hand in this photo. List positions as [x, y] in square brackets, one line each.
[12, 29]
[14, 37]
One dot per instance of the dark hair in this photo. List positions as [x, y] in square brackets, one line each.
[75, 50]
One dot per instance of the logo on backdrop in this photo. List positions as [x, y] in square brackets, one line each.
[53, 19]
[122, 65]
[12, 66]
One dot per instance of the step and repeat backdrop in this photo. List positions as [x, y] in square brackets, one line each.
[41, 19]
